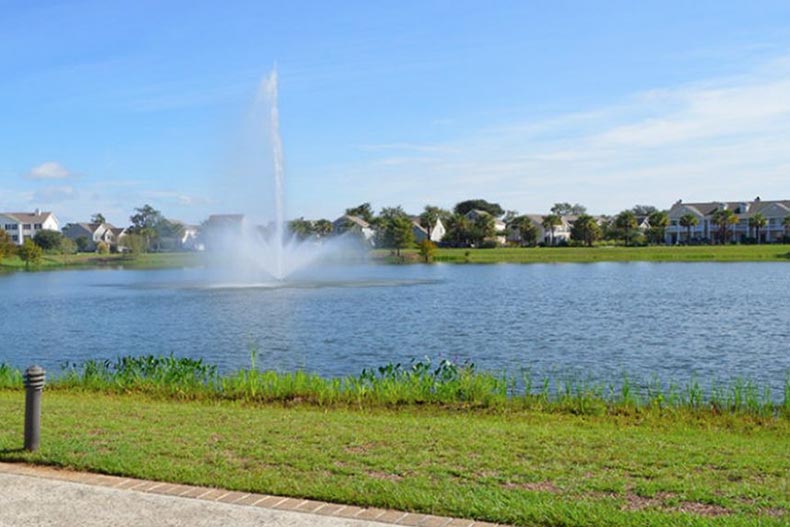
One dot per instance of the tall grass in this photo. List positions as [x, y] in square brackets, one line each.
[417, 383]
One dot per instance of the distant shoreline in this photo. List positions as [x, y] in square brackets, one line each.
[700, 253]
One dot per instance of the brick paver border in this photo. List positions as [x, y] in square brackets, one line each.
[265, 501]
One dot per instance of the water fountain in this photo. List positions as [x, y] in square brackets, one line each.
[255, 254]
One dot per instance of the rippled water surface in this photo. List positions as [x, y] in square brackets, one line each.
[709, 320]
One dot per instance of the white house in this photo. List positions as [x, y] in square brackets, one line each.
[438, 231]
[705, 230]
[355, 224]
[23, 225]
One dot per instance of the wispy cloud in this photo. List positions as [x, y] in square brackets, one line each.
[167, 196]
[718, 139]
[54, 194]
[48, 171]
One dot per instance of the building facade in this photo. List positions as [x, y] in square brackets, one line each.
[24, 225]
[706, 231]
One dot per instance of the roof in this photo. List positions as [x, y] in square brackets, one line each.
[27, 217]
[753, 207]
[353, 219]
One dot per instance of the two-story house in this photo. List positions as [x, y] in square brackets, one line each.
[24, 225]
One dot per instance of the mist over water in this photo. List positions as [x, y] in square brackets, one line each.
[247, 253]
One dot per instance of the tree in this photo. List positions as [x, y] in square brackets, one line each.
[757, 222]
[467, 206]
[659, 221]
[7, 247]
[48, 240]
[550, 223]
[364, 211]
[458, 231]
[483, 228]
[723, 219]
[586, 230]
[30, 253]
[626, 224]
[102, 248]
[301, 228]
[322, 228]
[431, 215]
[134, 244]
[395, 229]
[688, 221]
[400, 233]
[527, 232]
[67, 246]
[566, 209]
[83, 242]
[145, 221]
[643, 211]
[427, 250]
[98, 218]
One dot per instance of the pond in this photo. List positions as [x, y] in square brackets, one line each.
[709, 321]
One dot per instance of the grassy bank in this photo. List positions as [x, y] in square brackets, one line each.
[712, 253]
[88, 260]
[444, 440]
[445, 384]
[521, 467]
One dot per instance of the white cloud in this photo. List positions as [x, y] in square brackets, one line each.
[48, 171]
[721, 139]
[54, 194]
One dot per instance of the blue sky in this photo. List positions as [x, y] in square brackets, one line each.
[105, 106]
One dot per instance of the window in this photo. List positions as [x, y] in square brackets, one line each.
[38, 226]
[27, 226]
[15, 238]
[11, 226]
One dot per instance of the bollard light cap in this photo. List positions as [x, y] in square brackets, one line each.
[35, 377]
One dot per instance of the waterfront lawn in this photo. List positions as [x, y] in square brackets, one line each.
[83, 260]
[702, 253]
[520, 467]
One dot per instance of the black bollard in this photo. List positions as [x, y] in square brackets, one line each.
[34, 385]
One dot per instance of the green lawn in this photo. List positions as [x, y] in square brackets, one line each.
[521, 467]
[84, 260]
[713, 253]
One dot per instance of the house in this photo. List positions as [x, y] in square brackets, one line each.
[437, 232]
[420, 232]
[499, 225]
[190, 239]
[87, 236]
[434, 233]
[561, 233]
[354, 224]
[705, 231]
[23, 225]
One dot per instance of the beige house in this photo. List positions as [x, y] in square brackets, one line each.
[23, 225]
[705, 231]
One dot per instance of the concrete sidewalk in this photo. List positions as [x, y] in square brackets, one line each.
[40, 496]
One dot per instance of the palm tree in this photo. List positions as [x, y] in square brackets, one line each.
[585, 230]
[757, 222]
[527, 233]
[688, 221]
[626, 223]
[551, 222]
[659, 221]
[724, 218]
[322, 228]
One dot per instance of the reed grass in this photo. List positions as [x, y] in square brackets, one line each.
[418, 383]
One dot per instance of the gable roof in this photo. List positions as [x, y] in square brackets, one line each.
[28, 217]
[753, 207]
